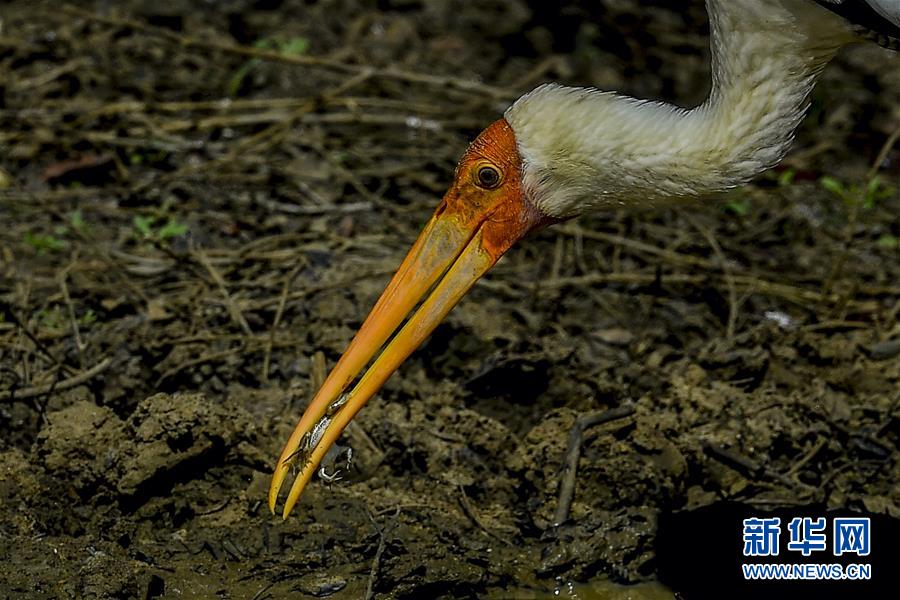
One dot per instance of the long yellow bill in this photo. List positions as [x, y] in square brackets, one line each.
[480, 217]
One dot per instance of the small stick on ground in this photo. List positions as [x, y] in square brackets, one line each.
[733, 303]
[279, 312]
[263, 592]
[573, 453]
[792, 473]
[751, 468]
[205, 358]
[60, 386]
[234, 310]
[7, 314]
[373, 572]
[470, 512]
[64, 288]
[889, 144]
[187, 41]
[317, 370]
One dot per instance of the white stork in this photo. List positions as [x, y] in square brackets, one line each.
[559, 151]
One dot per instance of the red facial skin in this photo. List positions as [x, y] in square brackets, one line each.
[507, 214]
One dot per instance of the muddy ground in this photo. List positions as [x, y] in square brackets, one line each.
[201, 201]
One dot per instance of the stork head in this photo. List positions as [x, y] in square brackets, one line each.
[482, 215]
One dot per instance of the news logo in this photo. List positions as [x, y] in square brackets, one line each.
[761, 536]
[807, 536]
[852, 536]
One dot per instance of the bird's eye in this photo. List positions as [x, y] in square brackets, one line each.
[488, 177]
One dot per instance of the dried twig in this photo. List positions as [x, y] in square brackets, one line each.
[886, 148]
[573, 453]
[671, 257]
[733, 303]
[233, 309]
[752, 469]
[64, 288]
[65, 384]
[376, 561]
[470, 512]
[282, 301]
[748, 284]
[186, 41]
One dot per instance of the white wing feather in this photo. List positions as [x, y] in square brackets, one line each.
[889, 9]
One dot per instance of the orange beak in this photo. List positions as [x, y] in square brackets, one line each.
[482, 215]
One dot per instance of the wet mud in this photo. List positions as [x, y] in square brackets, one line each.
[199, 206]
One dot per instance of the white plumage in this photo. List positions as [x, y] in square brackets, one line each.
[583, 148]
[889, 9]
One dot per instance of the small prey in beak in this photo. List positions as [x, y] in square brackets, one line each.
[481, 216]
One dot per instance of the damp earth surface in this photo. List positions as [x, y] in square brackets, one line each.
[201, 201]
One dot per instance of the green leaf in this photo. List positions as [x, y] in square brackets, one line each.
[88, 318]
[144, 225]
[171, 229]
[77, 220]
[297, 45]
[739, 204]
[876, 191]
[234, 84]
[50, 318]
[44, 243]
[832, 185]
[888, 242]
[787, 177]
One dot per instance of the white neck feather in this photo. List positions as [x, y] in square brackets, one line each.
[583, 148]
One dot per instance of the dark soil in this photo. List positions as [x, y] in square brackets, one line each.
[201, 201]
